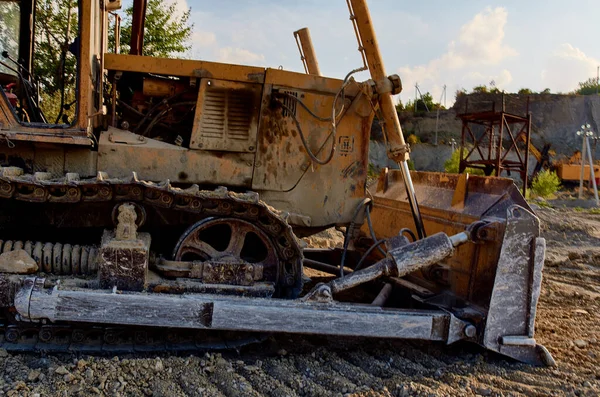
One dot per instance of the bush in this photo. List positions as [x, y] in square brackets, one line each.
[412, 139]
[545, 184]
[452, 164]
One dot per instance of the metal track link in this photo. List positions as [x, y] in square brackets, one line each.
[40, 187]
[116, 340]
[67, 260]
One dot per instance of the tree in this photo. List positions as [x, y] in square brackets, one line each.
[459, 93]
[525, 91]
[165, 33]
[545, 91]
[480, 89]
[399, 106]
[9, 31]
[588, 87]
[423, 104]
[54, 66]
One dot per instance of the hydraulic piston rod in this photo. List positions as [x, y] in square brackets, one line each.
[398, 263]
[397, 150]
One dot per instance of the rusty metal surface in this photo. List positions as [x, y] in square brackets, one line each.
[124, 263]
[136, 44]
[219, 203]
[155, 160]
[489, 138]
[307, 51]
[284, 173]
[471, 271]
[229, 272]
[234, 313]
[183, 68]
[509, 327]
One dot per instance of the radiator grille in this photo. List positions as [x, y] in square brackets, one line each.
[290, 103]
[227, 114]
[227, 118]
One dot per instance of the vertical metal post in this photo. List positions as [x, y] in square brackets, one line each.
[398, 150]
[461, 164]
[307, 54]
[499, 148]
[589, 150]
[525, 176]
[137, 27]
[117, 33]
[437, 123]
[26, 33]
[582, 173]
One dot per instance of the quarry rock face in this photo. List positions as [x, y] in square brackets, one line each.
[555, 120]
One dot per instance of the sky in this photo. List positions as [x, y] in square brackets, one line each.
[460, 44]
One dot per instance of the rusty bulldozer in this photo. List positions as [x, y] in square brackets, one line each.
[167, 213]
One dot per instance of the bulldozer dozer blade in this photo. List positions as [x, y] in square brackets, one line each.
[510, 320]
[494, 280]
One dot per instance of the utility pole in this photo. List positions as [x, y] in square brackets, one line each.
[586, 133]
[437, 117]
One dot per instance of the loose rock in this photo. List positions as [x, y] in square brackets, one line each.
[18, 262]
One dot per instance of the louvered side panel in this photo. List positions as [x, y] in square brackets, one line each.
[226, 116]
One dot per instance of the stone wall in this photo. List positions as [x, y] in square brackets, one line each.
[555, 119]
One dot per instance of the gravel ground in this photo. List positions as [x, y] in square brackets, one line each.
[568, 324]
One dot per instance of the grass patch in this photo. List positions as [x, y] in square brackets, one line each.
[452, 165]
[545, 184]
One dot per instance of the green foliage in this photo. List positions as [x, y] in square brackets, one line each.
[372, 171]
[545, 91]
[399, 106]
[545, 184]
[9, 30]
[588, 87]
[165, 33]
[459, 93]
[411, 164]
[452, 165]
[422, 104]
[541, 202]
[483, 89]
[412, 139]
[525, 91]
[54, 66]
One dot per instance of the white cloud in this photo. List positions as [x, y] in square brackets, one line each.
[479, 46]
[202, 39]
[568, 66]
[240, 56]
[181, 6]
[481, 39]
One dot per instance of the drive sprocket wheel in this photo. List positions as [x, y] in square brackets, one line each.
[230, 239]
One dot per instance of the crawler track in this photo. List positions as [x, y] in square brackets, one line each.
[568, 324]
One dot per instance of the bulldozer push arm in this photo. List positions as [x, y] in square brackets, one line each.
[385, 87]
[168, 213]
